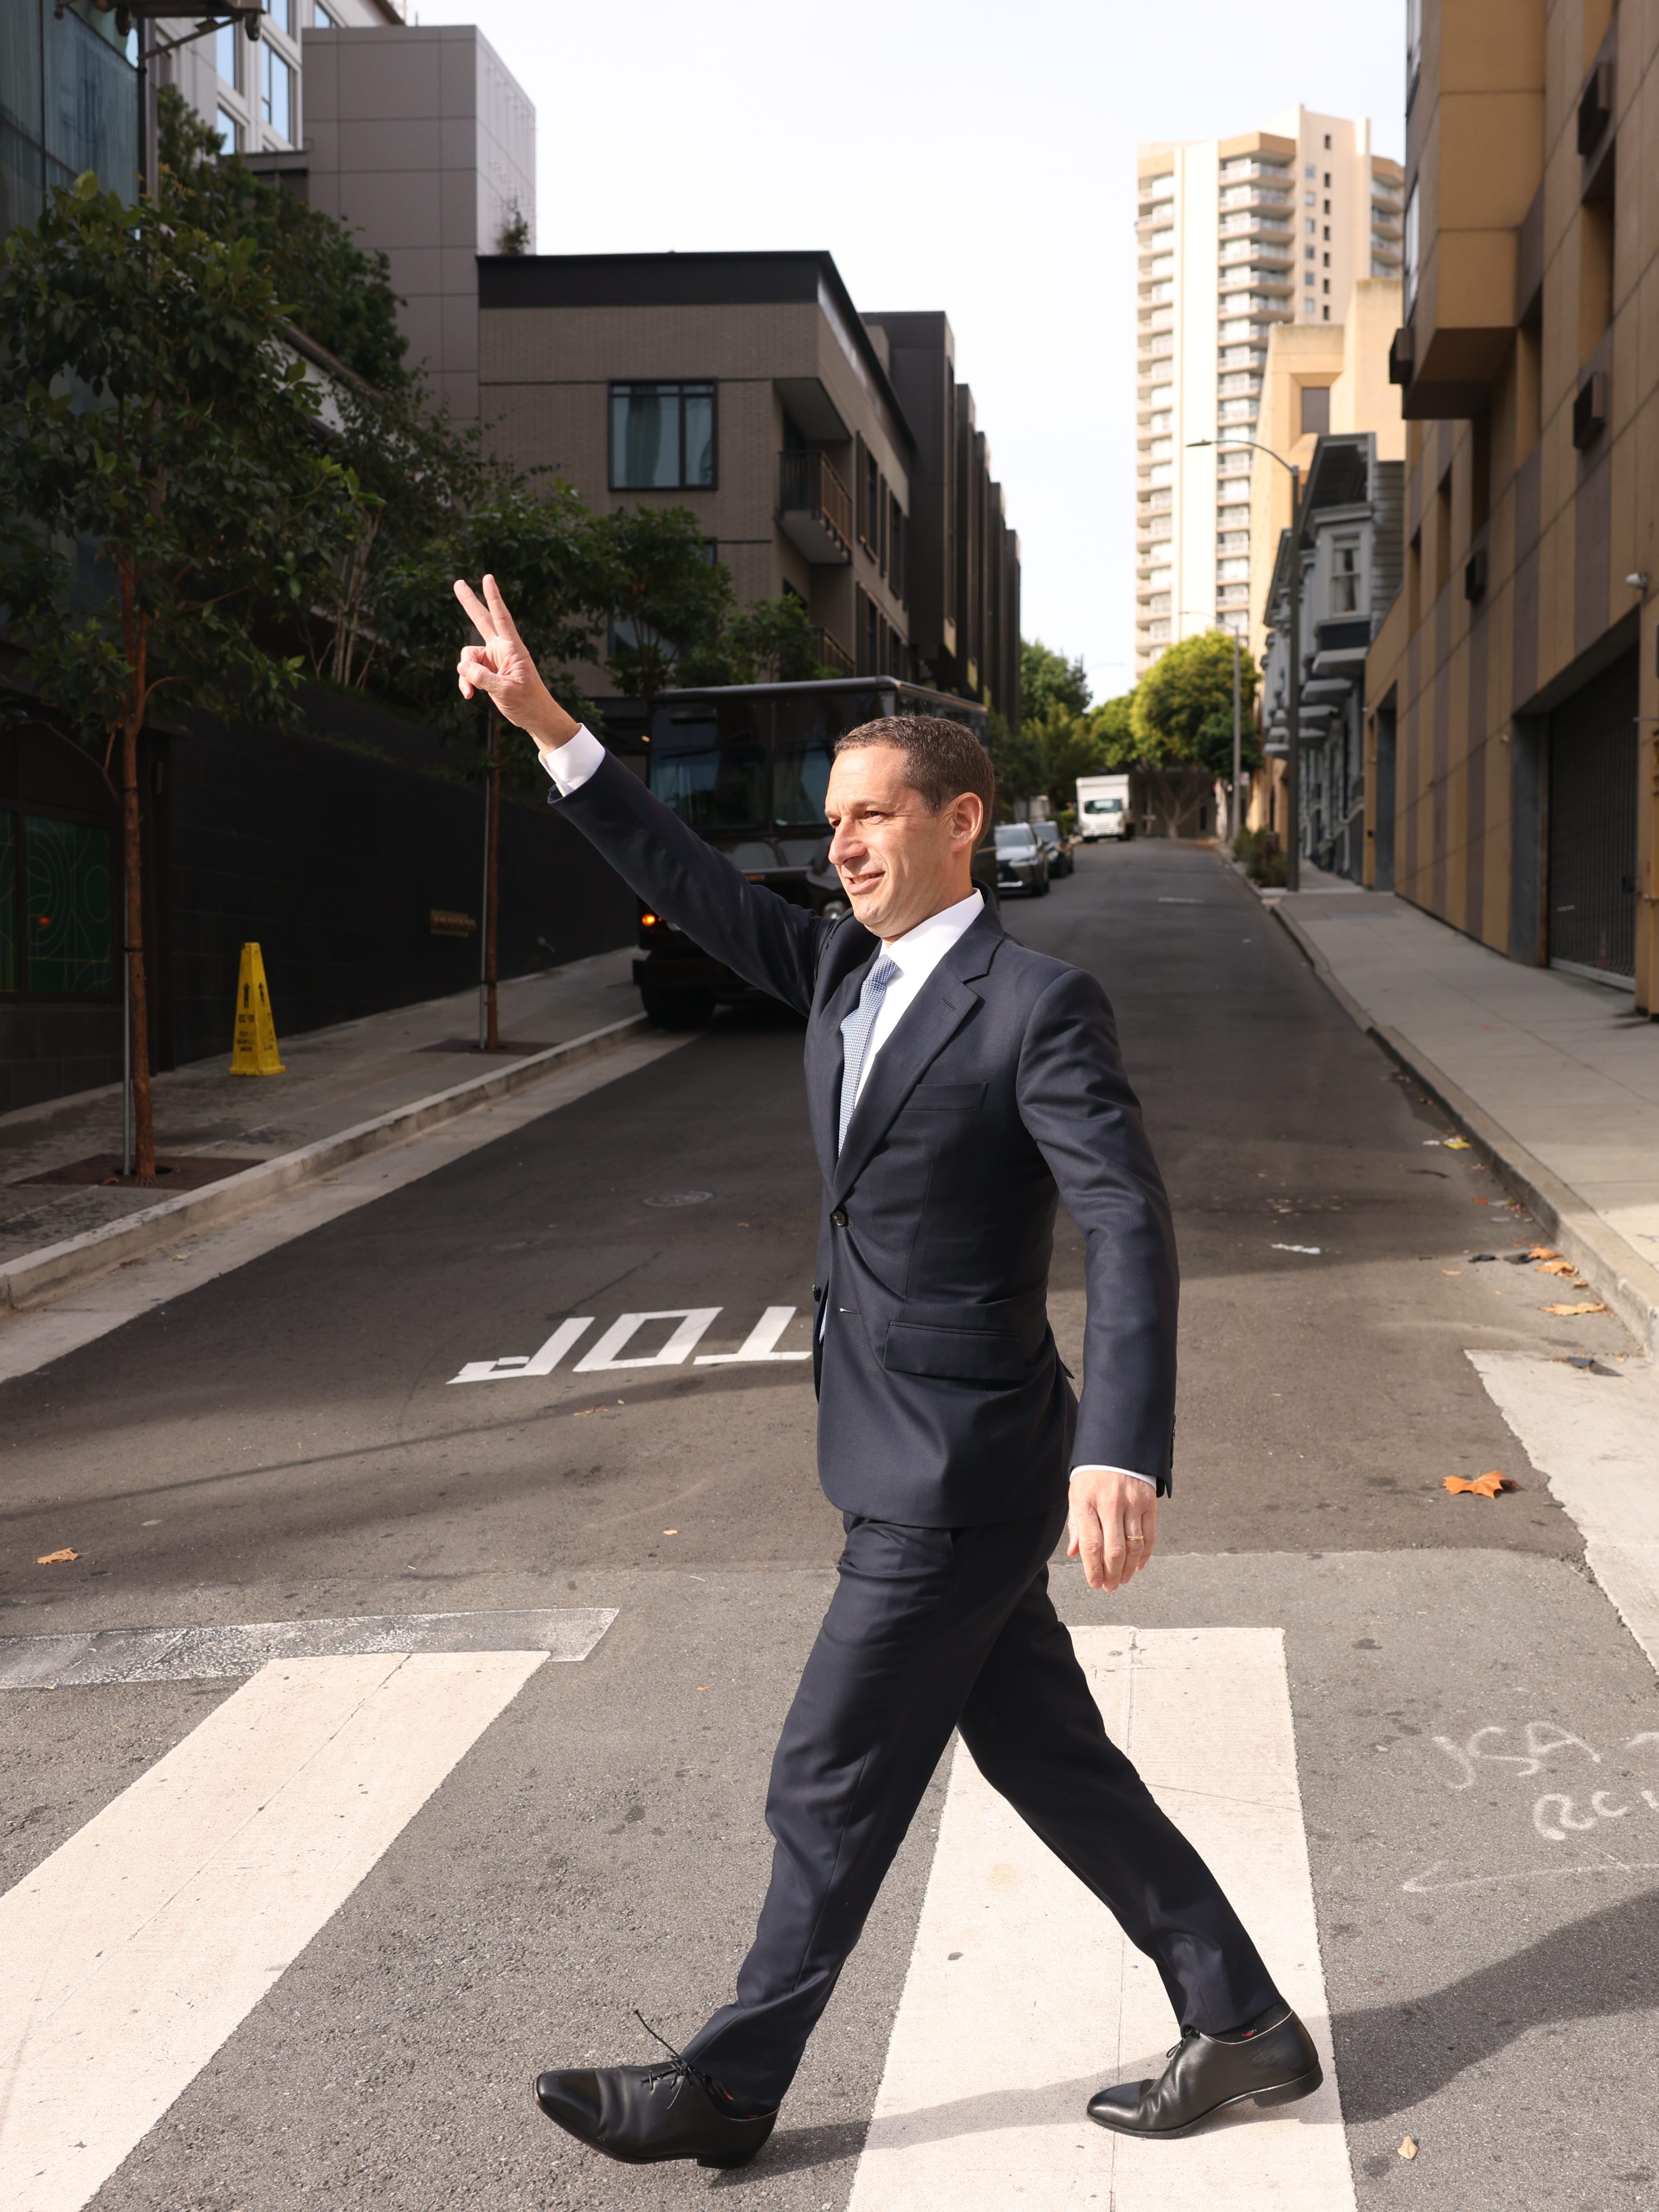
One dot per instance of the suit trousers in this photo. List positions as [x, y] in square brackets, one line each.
[930, 1629]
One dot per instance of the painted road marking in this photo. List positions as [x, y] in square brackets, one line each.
[1595, 1439]
[761, 1343]
[682, 1342]
[194, 1655]
[130, 1955]
[758, 1347]
[522, 1364]
[1023, 1996]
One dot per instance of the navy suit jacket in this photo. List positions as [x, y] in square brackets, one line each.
[942, 1400]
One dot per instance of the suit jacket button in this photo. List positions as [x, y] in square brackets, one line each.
[839, 1217]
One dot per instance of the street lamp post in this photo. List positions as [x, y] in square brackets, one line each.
[1293, 704]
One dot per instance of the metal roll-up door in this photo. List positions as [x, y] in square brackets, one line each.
[1592, 826]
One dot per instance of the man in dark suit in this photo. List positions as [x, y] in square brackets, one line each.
[958, 1085]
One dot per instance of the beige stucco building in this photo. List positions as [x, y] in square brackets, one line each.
[1514, 690]
[1235, 238]
[1319, 377]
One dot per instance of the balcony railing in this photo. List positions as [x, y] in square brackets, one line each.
[831, 653]
[815, 508]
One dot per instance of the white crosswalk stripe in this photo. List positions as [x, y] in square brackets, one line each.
[1022, 1997]
[133, 1952]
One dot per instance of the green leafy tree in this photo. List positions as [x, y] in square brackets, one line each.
[667, 602]
[1185, 698]
[1113, 724]
[774, 641]
[538, 541]
[170, 513]
[1070, 748]
[1017, 757]
[1048, 680]
[1182, 718]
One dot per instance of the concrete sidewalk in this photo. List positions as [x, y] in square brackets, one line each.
[345, 1090]
[1554, 1079]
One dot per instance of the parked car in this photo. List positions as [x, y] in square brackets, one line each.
[1056, 845]
[1022, 864]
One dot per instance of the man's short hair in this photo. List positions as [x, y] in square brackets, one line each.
[942, 759]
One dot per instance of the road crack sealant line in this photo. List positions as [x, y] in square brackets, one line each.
[1618, 1272]
[38, 1277]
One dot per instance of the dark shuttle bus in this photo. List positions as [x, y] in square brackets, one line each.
[747, 765]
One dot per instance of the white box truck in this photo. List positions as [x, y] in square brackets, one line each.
[1102, 807]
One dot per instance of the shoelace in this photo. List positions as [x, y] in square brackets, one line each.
[677, 2068]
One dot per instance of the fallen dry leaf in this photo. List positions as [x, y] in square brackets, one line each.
[1485, 1485]
[56, 1559]
[1542, 1252]
[1556, 1268]
[1408, 2148]
[1585, 1306]
[1451, 1271]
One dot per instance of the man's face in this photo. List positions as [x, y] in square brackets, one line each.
[898, 863]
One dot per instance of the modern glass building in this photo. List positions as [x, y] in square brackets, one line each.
[69, 102]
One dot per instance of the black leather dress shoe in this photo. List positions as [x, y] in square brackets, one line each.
[1273, 2062]
[645, 2114]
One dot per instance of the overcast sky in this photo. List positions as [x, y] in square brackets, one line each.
[972, 157]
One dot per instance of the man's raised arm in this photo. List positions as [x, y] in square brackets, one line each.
[768, 941]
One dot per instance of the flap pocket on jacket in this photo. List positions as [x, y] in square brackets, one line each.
[962, 1097]
[958, 1355]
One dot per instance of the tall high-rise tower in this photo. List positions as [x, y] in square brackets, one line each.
[1232, 236]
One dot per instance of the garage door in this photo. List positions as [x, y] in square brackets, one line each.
[1592, 841]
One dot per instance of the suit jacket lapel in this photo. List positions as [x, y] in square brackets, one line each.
[945, 1001]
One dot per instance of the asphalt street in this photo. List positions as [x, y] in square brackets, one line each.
[291, 1441]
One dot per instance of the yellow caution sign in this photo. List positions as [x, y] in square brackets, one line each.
[254, 1052]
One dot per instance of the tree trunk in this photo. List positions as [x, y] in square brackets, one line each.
[144, 1117]
[493, 898]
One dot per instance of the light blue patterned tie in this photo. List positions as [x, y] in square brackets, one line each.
[855, 1036]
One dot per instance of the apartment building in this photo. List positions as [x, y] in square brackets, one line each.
[1345, 550]
[826, 453]
[1235, 237]
[1512, 739]
[418, 137]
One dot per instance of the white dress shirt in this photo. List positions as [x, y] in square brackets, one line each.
[916, 954]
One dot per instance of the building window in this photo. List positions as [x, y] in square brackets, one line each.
[281, 13]
[325, 18]
[1411, 249]
[1344, 580]
[278, 95]
[66, 943]
[1413, 46]
[227, 43]
[662, 437]
[229, 131]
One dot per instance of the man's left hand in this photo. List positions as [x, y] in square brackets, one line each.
[1112, 1525]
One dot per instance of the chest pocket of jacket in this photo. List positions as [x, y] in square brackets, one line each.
[947, 1097]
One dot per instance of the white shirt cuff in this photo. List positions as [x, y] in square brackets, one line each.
[1089, 1467]
[571, 764]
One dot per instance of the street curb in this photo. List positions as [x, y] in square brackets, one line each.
[1618, 1272]
[38, 1276]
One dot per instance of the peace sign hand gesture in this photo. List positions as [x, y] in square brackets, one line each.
[502, 668]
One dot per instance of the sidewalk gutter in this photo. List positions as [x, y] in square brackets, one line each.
[44, 1275]
[1621, 1276]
